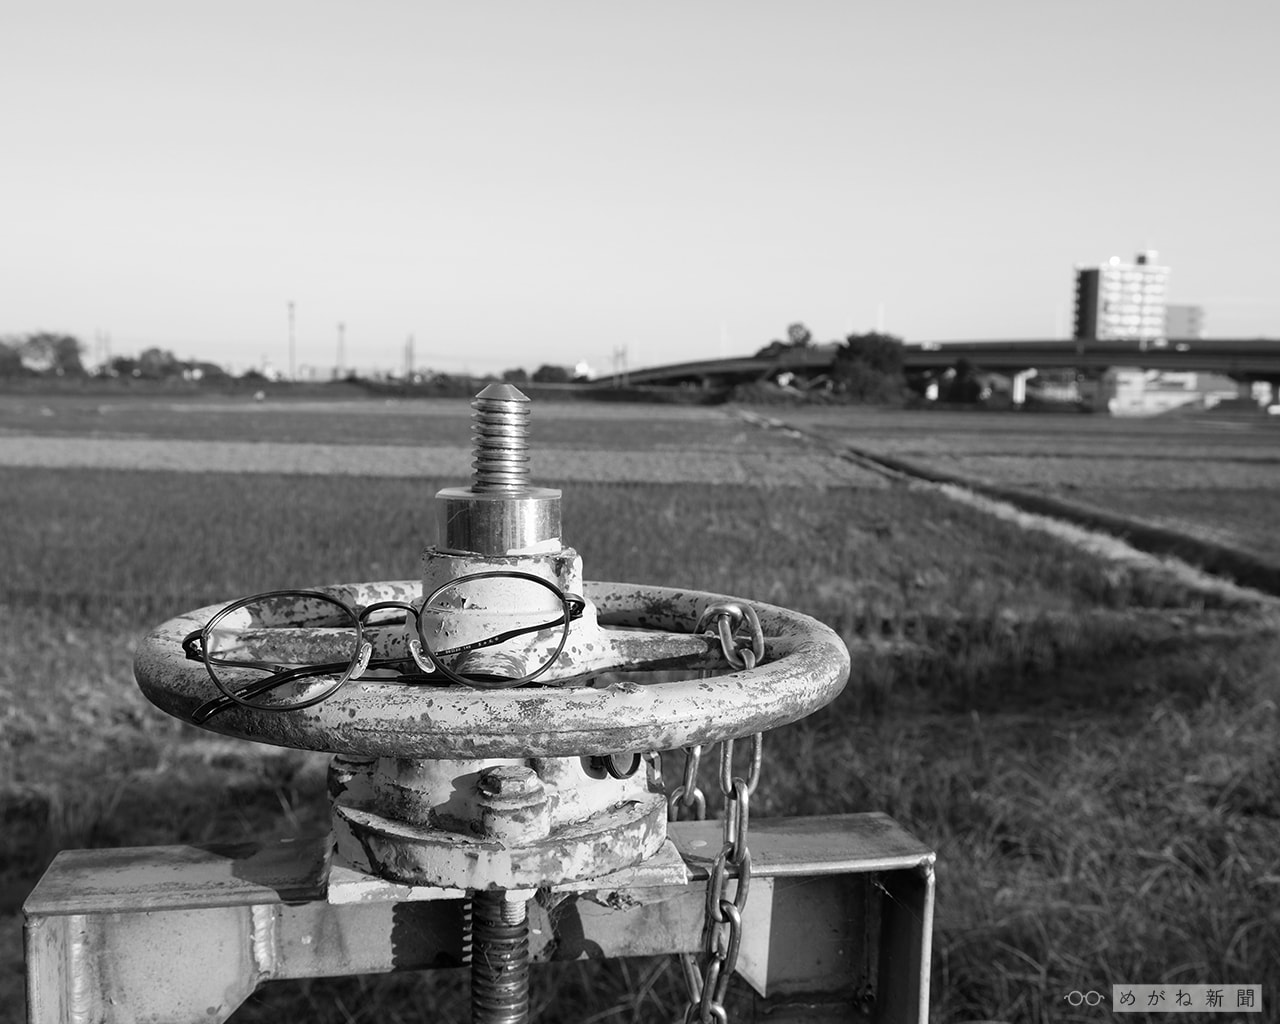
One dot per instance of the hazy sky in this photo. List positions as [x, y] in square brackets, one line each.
[518, 183]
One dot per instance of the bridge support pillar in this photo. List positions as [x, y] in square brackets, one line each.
[1018, 391]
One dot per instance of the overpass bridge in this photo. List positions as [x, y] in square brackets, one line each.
[1243, 359]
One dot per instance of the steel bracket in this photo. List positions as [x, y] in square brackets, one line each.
[838, 926]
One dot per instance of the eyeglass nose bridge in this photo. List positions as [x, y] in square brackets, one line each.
[361, 664]
[425, 664]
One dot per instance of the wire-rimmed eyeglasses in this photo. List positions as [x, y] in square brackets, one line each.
[311, 643]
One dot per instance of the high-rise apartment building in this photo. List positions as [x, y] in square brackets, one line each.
[1122, 301]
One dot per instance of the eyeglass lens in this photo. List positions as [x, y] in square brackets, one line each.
[279, 634]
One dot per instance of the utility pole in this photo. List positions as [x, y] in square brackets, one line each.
[408, 357]
[342, 330]
[293, 361]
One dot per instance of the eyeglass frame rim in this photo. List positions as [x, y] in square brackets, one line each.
[506, 684]
[569, 604]
[352, 664]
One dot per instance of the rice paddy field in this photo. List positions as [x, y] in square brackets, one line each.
[1087, 735]
[1210, 475]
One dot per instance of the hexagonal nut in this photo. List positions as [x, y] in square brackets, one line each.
[509, 783]
[514, 808]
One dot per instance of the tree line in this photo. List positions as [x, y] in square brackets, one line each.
[866, 367]
[49, 354]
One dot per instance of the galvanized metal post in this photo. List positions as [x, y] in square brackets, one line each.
[838, 927]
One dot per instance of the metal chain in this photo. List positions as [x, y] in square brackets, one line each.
[687, 794]
[740, 651]
[722, 935]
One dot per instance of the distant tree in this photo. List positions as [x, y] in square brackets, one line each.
[548, 374]
[54, 354]
[123, 366]
[207, 371]
[798, 336]
[869, 367]
[879, 352]
[157, 363]
[963, 385]
[11, 358]
[518, 375]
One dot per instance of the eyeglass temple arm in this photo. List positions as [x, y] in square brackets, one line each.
[256, 689]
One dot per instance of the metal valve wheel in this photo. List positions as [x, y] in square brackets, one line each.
[569, 713]
[408, 750]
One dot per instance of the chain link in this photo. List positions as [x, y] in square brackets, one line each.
[722, 933]
[753, 774]
[687, 795]
[729, 616]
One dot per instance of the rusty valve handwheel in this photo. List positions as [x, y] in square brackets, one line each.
[573, 712]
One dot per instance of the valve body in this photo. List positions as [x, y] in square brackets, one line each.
[496, 823]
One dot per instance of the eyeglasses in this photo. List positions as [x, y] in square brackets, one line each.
[310, 643]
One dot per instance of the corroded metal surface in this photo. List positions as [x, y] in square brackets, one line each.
[806, 667]
[484, 824]
[842, 907]
[415, 855]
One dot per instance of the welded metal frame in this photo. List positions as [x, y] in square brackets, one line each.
[838, 927]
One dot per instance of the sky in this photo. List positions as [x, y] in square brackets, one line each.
[519, 183]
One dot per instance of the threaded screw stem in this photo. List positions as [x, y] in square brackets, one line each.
[499, 959]
[500, 439]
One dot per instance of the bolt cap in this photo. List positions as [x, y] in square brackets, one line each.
[509, 780]
[503, 393]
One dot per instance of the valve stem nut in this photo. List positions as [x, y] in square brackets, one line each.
[514, 809]
[500, 513]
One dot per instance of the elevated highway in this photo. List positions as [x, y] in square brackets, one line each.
[1252, 359]
[1236, 358]
[723, 372]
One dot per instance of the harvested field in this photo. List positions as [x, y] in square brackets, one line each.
[1087, 737]
[570, 442]
[1165, 472]
[1239, 518]
[552, 466]
[1213, 478]
[430, 422]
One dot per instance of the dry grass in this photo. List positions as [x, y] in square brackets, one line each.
[1088, 742]
[1237, 518]
[1212, 477]
[1073, 472]
[391, 422]
[564, 465]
